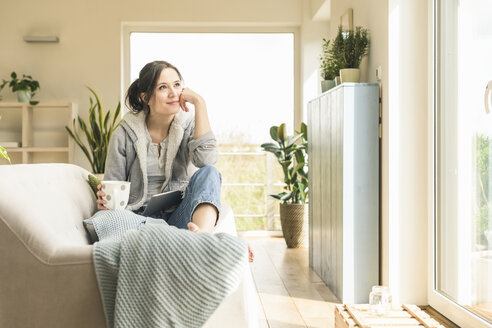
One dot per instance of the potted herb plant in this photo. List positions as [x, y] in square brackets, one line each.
[292, 156]
[97, 132]
[329, 67]
[348, 50]
[24, 88]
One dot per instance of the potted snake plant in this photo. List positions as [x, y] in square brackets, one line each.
[291, 154]
[97, 133]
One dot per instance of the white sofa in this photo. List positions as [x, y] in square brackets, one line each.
[47, 276]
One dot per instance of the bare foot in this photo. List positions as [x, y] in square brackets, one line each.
[193, 227]
[251, 254]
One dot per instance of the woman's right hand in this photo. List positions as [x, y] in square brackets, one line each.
[100, 201]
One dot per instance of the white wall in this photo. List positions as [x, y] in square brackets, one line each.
[398, 30]
[312, 34]
[89, 52]
[408, 149]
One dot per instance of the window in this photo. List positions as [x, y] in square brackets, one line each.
[463, 176]
[247, 80]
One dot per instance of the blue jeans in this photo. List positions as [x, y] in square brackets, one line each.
[203, 187]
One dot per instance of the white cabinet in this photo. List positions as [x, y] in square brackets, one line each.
[36, 134]
[343, 127]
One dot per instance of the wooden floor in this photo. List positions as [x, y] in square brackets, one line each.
[290, 294]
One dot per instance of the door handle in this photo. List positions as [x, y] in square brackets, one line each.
[488, 89]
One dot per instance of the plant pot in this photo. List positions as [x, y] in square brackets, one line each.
[327, 85]
[100, 176]
[349, 75]
[23, 96]
[294, 220]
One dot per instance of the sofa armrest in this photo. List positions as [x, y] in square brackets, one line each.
[43, 206]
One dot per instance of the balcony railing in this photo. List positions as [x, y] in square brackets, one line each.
[249, 175]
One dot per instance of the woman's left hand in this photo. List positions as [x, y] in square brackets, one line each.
[189, 96]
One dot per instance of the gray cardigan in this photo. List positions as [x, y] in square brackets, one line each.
[127, 154]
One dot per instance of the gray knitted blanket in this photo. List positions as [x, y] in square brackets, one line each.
[162, 276]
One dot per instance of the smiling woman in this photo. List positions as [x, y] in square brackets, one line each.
[248, 82]
[169, 141]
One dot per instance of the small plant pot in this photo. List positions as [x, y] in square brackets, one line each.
[23, 96]
[350, 75]
[294, 220]
[100, 176]
[327, 85]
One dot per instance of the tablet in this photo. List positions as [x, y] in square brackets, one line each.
[162, 202]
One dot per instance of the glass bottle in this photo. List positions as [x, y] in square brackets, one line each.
[380, 300]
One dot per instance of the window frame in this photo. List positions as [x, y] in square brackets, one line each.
[176, 27]
[130, 27]
[437, 300]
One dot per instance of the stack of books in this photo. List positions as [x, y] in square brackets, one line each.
[10, 144]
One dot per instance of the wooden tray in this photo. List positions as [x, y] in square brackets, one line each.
[406, 315]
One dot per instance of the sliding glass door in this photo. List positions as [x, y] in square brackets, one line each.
[462, 281]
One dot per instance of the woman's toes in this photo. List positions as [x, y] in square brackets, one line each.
[193, 227]
[251, 254]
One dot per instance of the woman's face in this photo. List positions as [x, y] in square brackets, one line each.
[165, 100]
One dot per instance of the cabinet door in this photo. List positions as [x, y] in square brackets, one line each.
[325, 182]
[315, 184]
[337, 130]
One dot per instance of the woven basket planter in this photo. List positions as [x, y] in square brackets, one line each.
[294, 220]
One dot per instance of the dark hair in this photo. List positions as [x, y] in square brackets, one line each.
[146, 82]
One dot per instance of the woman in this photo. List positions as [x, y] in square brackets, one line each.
[159, 145]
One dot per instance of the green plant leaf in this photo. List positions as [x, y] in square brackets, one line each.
[99, 106]
[116, 115]
[304, 130]
[297, 168]
[293, 140]
[281, 132]
[287, 196]
[274, 133]
[94, 182]
[79, 142]
[299, 153]
[105, 123]
[270, 147]
[4, 154]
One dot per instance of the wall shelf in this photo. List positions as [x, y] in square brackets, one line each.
[40, 130]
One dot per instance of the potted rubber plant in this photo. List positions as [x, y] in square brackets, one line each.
[291, 154]
[24, 87]
[348, 49]
[329, 67]
[97, 132]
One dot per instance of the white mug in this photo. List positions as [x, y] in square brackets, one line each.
[117, 194]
